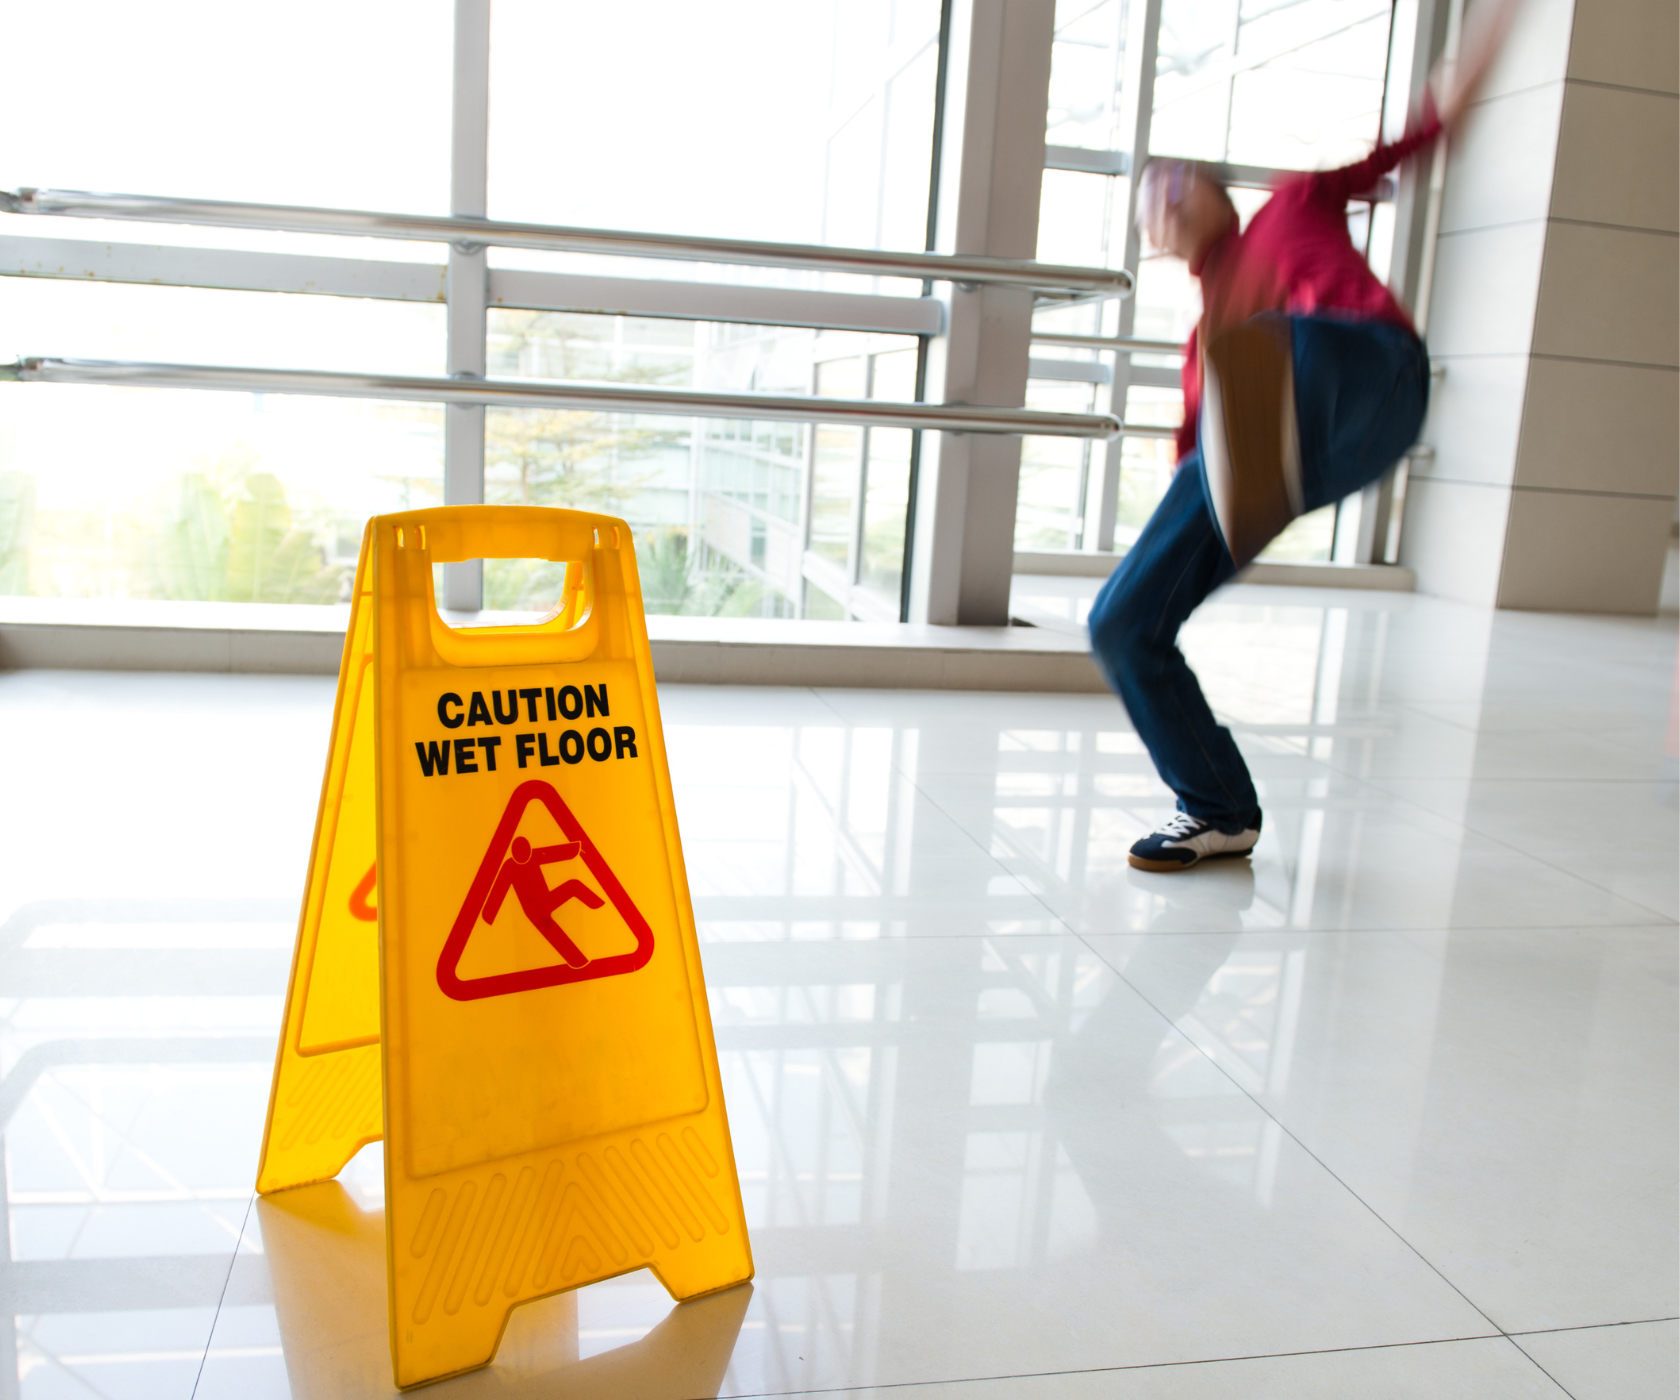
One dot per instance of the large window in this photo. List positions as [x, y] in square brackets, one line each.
[204, 496]
[860, 483]
[731, 516]
[1261, 85]
[1294, 84]
[808, 123]
[321, 102]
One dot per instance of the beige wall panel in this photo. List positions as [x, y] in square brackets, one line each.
[1453, 538]
[1633, 43]
[1600, 427]
[1537, 50]
[1500, 167]
[1475, 418]
[1486, 283]
[1609, 294]
[1618, 159]
[1569, 551]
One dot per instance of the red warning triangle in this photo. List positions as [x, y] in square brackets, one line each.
[513, 870]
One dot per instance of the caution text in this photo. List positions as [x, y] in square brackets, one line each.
[543, 749]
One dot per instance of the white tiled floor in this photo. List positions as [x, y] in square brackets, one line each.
[1389, 1111]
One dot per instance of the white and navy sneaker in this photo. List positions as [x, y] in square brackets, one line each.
[1186, 840]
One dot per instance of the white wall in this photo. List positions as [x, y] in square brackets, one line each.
[1554, 310]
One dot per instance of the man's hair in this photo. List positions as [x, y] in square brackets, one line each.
[1164, 182]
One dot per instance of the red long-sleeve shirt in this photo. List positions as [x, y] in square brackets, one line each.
[1295, 256]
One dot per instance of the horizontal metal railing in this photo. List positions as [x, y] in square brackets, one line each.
[425, 228]
[606, 398]
[1110, 342]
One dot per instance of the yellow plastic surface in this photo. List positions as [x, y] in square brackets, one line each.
[529, 1029]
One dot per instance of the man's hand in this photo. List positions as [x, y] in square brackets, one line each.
[1457, 84]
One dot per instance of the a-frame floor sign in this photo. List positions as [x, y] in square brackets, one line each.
[496, 966]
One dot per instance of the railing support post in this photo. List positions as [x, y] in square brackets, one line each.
[467, 285]
[1102, 501]
[990, 173]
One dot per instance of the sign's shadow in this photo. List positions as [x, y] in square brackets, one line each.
[326, 1263]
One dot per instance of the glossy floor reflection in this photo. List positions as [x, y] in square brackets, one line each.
[1387, 1110]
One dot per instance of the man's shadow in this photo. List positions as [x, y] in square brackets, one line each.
[326, 1262]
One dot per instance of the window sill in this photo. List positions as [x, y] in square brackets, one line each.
[1080, 563]
[88, 634]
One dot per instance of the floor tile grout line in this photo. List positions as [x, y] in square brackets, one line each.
[1515, 1339]
[1594, 1326]
[1421, 708]
[1375, 778]
[1370, 782]
[1135, 1366]
[221, 1298]
[1662, 920]
[1534, 1362]
[1374, 783]
[973, 840]
[1066, 930]
[985, 850]
[1334, 1176]
[1499, 841]
[1350, 931]
[1293, 1137]
[1512, 778]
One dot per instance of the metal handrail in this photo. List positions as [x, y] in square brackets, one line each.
[1110, 342]
[426, 228]
[607, 398]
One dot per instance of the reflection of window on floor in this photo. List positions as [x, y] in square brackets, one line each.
[1247, 1018]
[1022, 1201]
[812, 1123]
[1022, 1197]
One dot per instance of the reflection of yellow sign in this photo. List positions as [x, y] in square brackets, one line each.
[529, 1030]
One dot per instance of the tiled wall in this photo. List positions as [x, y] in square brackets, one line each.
[1554, 311]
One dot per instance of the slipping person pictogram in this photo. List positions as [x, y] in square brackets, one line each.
[511, 863]
[522, 872]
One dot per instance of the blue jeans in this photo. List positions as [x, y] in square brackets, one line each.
[1361, 388]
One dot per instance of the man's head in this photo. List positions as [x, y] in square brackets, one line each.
[1183, 209]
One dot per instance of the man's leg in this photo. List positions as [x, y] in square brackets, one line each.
[559, 939]
[1177, 561]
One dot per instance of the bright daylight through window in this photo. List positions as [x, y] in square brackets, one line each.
[823, 133]
[1271, 85]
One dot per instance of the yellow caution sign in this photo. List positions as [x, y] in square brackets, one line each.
[496, 966]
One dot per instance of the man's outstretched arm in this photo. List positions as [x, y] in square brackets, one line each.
[1339, 186]
[1458, 83]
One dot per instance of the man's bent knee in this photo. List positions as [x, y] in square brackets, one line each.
[1124, 622]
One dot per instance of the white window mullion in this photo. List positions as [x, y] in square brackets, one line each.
[467, 283]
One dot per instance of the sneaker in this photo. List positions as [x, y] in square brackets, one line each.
[1186, 840]
[1250, 441]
